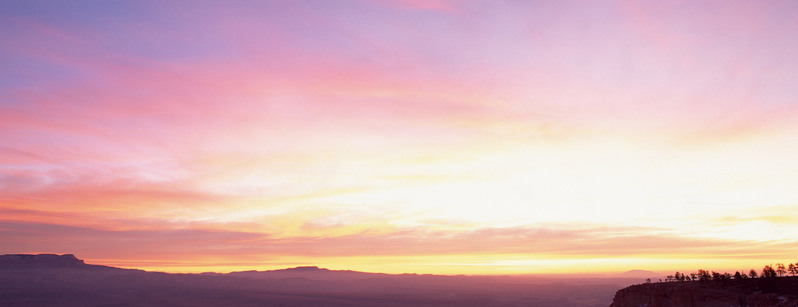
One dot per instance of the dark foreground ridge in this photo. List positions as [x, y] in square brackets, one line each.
[754, 292]
[64, 280]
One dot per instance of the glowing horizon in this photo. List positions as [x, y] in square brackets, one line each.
[457, 137]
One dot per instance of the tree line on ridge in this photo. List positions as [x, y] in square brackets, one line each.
[769, 271]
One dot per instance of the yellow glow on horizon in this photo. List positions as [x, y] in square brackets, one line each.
[491, 264]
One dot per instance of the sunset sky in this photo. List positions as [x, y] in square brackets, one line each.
[447, 137]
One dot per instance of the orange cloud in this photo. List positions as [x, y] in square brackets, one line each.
[196, 245]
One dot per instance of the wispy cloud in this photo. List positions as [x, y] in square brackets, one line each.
[483, 243]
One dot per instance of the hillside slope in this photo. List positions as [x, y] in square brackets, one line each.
[760, 292]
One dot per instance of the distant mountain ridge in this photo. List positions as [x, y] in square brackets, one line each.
[309, 272]
[65, 280]
[40, 261]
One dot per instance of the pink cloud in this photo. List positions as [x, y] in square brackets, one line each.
[433, 5]
[112, 190]
[125, 244]
[176, 243]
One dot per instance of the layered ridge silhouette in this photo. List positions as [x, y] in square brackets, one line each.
[64, 280]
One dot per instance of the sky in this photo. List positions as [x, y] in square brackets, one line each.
[401, 136]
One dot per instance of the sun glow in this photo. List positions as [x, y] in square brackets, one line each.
[468, 138]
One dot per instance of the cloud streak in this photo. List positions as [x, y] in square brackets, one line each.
[482, 244]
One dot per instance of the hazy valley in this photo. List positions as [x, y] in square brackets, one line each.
[63, 280]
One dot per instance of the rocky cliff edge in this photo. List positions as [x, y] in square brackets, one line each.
[760, 292]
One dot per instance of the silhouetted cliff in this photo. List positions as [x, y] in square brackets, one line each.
[40, 261]
[759, 292]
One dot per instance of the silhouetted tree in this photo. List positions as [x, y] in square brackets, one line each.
[704, 275]
[768, 272]
[780, 269]
[675, 277]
